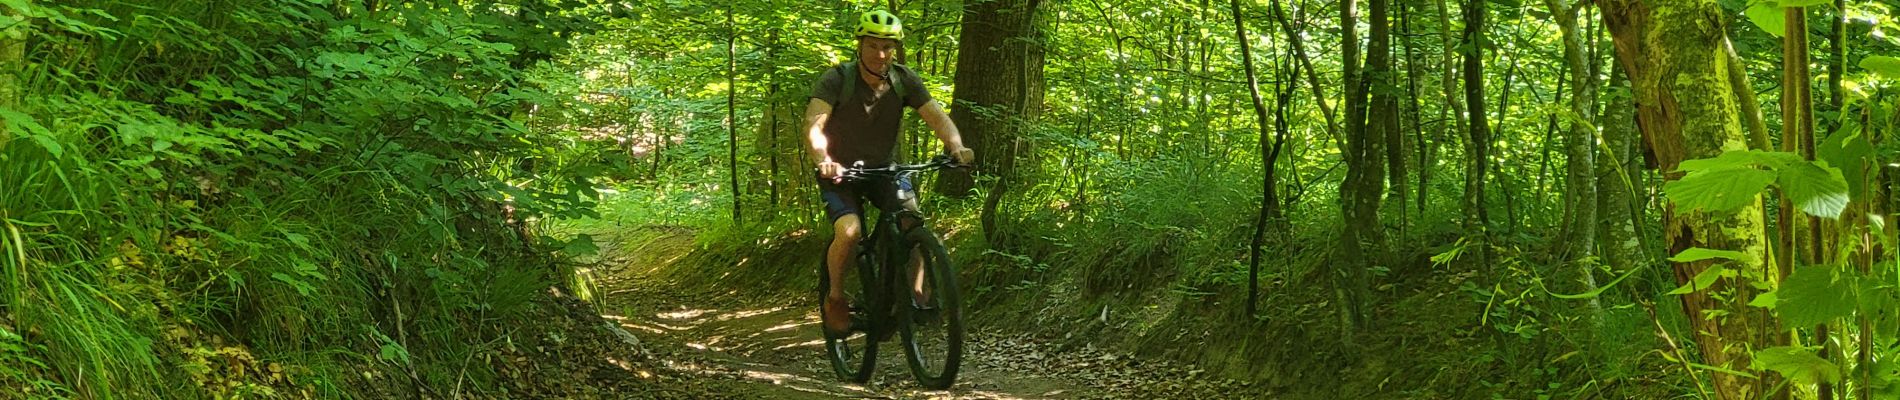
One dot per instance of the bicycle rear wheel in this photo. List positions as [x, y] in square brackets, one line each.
[933, 331]
[853, 357]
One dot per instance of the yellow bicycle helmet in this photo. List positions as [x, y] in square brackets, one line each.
[880, 24]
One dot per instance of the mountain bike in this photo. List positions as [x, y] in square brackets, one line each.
[884, 304]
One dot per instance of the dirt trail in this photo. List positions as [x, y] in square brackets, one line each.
[738, 346]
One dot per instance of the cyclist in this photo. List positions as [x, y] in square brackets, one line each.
[853, 118]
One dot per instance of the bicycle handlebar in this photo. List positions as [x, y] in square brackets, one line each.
[941, 161]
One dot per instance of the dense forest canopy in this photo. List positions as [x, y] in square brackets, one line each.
[1558, 198]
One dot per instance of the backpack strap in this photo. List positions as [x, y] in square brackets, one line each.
[897, 82]
[849, 71]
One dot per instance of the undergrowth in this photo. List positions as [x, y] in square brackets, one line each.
[277, 199]
[1162, 260]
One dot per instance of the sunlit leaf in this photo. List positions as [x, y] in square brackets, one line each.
[1815, 188]
[1719, 190]
[1703, 280]
[1768, 17]
[1803, 3]
[1798, 364]
[1888, 67]
[1694, 254]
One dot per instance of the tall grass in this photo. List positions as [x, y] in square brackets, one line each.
[208, 222]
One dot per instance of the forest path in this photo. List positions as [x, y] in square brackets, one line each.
[737, 345]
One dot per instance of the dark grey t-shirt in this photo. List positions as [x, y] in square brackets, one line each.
[865, 128]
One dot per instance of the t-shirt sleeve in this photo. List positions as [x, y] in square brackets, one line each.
[914, 89]
[828, 87]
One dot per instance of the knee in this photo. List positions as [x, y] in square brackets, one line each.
[847, 229]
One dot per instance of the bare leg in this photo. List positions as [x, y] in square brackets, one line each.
[846, 231]
[917, 292]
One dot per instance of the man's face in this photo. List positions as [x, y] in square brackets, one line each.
[876, 53]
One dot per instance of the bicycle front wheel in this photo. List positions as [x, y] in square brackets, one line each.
[933, 327]
[853, 357]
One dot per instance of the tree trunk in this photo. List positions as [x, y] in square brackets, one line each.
[1415, 109]
[1268, 202]
[732, 108]
[999, 71]
[1295, 40]
[1580, 185]
[1478, 145]
[1797, 107]
[1394, 141]
[1358, 224]
[1685, 110]
[1621, 242]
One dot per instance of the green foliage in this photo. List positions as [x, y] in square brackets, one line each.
[1694, 254]
[1731, 180]
[1798, 364]
[1888, 67]
[1816, 294]
[282, 176]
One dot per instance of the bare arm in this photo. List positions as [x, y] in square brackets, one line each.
[939, 122]
[817, 112]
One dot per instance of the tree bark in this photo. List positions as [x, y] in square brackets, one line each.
[1672, 50]
[1618, 173]
[999, 70]
[1579, 148]
[1478, 144]
[732, 108]
[1297, 42]
[1269, 150]
[1797, 107]
[1358, 209]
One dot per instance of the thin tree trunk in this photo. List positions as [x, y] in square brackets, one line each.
[1798, 114]
[1616, 200]
[1295, 41]
[1357, 226]
[1580, 150]
[1504, 180]
[1422, 144]
[732, 108]
[1267, 200]
[1478, 145]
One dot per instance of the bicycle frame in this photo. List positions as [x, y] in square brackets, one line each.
[887, 236]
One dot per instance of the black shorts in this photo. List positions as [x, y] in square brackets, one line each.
[847, 198]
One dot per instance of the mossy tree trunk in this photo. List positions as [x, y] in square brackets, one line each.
[1673, 52]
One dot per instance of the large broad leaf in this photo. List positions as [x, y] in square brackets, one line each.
[1798, 364]
[1888, 67]
[1767, 16]
[1740, 159]
[1849, 150]
[1720, 190]
[1694, 254]
[1815, 188]
[1803, 3]
[1704, 280]
[1814, 295]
